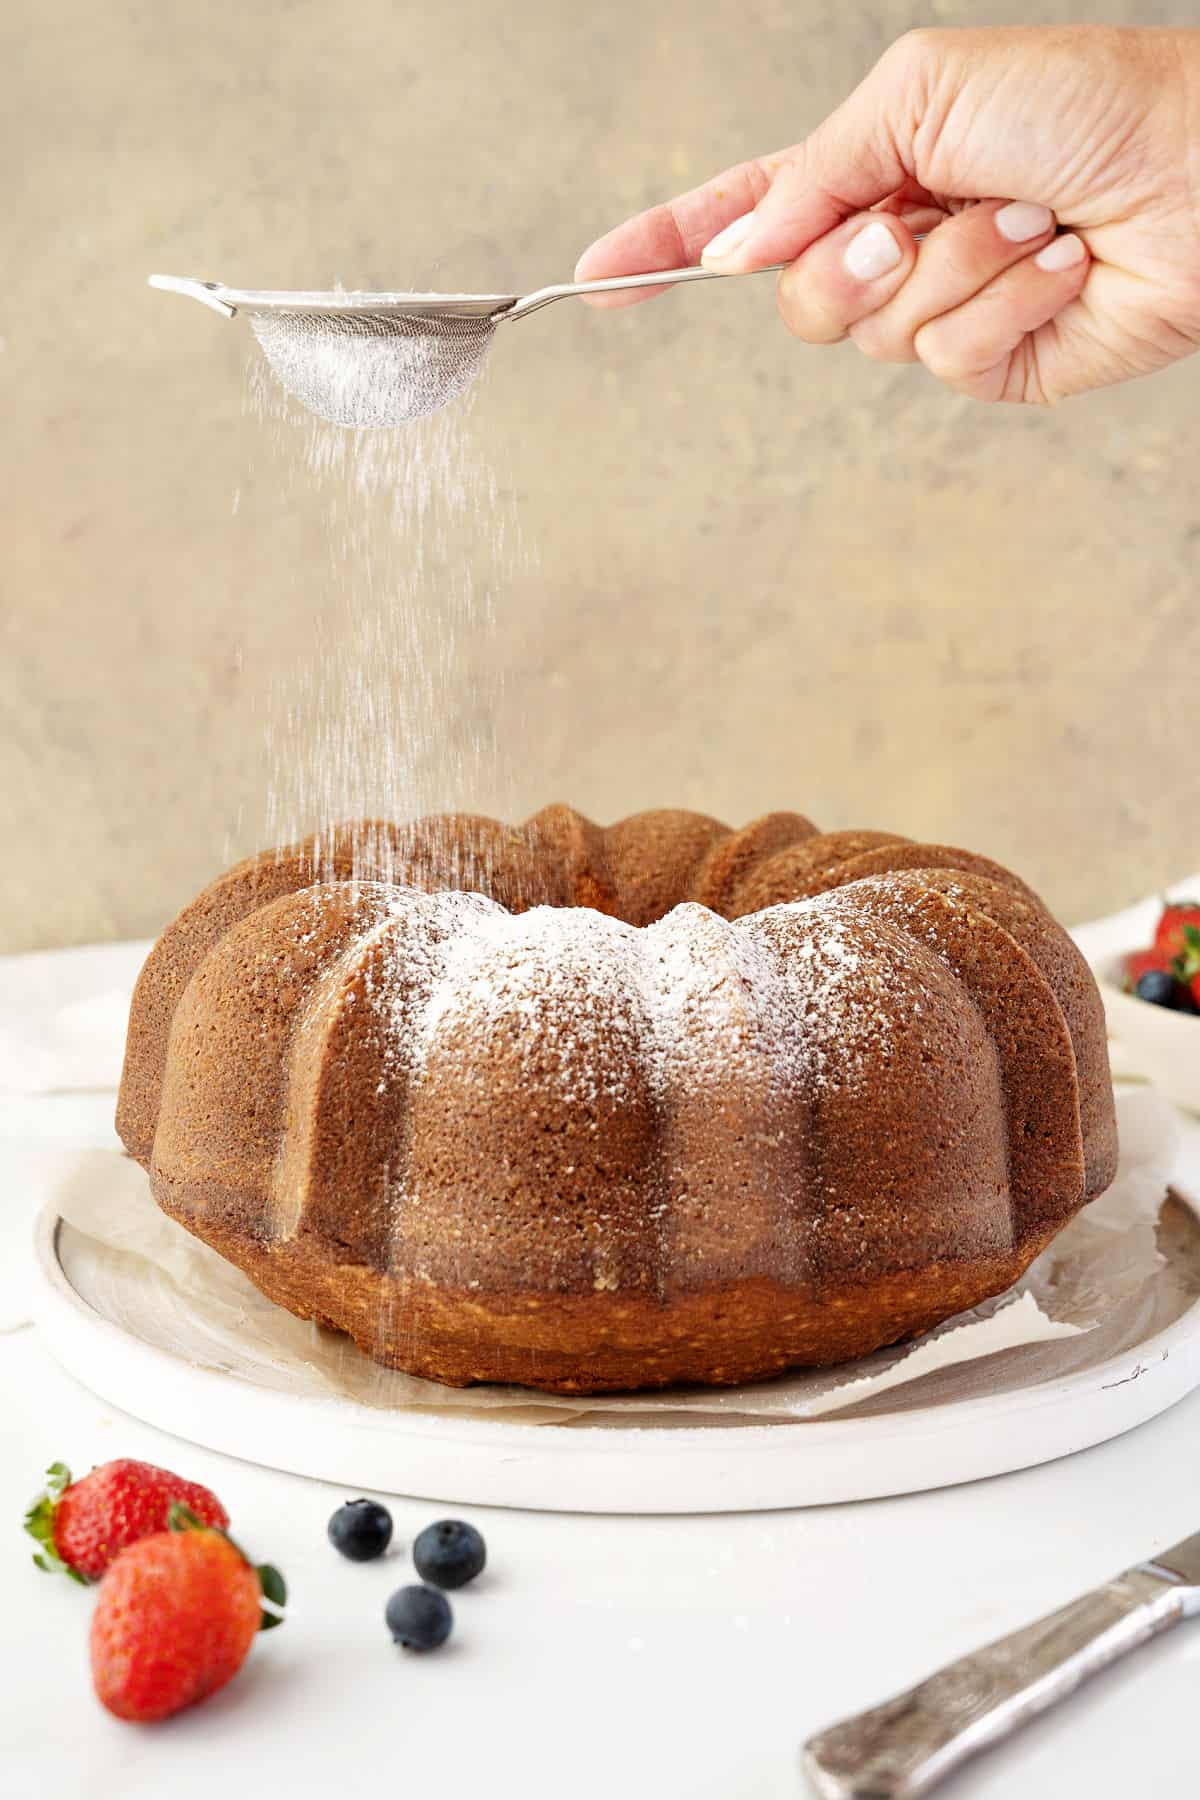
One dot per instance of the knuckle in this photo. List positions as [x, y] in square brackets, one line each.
[945, 354]
[805, 317]
[917, 48]
[881, 343]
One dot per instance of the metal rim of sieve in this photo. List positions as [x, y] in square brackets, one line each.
[230, 301]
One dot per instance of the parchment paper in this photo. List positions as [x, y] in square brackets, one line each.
[1104, 1285]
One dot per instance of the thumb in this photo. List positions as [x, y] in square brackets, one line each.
[859, 156]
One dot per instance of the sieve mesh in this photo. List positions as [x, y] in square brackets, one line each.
[372, 369]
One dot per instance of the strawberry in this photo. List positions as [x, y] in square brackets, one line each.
[175, 1617]
[83, 1525]
[1143, 962]
[1170, 934]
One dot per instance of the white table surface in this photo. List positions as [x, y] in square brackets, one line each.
[671, 1658]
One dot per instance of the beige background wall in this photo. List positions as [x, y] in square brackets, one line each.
[747, 575]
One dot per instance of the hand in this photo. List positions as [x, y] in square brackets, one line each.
[1056, 172]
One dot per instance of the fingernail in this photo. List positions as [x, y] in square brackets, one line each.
[1061, 253]
[872, 253]
[729, 240]
[1021, 220]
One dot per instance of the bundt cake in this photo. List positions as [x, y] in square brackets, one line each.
[591, 1109]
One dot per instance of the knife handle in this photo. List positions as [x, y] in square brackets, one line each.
[906, 1746]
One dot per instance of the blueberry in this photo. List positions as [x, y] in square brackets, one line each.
[361, 1530]
[449, 1553]
[419, 1617]
[1160, 988]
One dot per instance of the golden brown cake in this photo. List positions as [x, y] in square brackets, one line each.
[590, 1109]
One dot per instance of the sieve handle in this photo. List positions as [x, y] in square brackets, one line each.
[204, 291]
[567, 290]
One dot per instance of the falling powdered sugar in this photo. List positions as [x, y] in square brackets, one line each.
[388, 708]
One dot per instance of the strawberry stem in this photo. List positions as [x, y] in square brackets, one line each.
[1187, 964]
[182, 1518]
[274, 1592]
[270, 1581]
[39, 1523]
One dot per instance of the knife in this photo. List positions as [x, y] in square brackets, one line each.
[909, 1744]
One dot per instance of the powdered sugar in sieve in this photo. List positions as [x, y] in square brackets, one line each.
[371, 369]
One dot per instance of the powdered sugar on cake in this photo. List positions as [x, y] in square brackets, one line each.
[594, 1005]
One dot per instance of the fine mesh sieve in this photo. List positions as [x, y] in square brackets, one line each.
[360, 369]
[366, 360]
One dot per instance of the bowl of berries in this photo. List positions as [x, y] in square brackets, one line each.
[1152, 1001]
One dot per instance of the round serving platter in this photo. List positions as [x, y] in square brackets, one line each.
[92, 1324]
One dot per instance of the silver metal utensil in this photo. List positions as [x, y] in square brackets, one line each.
[384, 359]
[906, 1746]
[495, 307]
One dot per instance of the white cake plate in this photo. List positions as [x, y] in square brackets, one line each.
[709, 1467]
